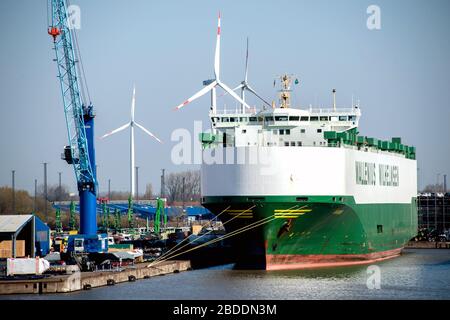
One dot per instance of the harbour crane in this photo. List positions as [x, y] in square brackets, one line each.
[79, 116]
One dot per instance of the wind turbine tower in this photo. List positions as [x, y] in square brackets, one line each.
[131, 124]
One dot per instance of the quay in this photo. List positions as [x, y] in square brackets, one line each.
[427, 245]
[87, 280]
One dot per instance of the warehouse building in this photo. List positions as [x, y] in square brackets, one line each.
[23, 236]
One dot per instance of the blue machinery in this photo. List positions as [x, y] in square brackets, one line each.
[80, 129]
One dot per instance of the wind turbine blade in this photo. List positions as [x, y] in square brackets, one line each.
[217, 55]
[225, 93]
[116, 130]
[254, 92]
[133, 103]
[148, 132]
[246, 64]
[197, 95]
[232, 93]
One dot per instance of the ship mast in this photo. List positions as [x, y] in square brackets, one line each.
[285, 91]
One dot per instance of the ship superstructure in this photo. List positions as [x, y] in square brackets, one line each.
[323, 195]
[300, 187]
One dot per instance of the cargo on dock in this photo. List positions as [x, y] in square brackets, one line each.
[428, 245]
[87, 280]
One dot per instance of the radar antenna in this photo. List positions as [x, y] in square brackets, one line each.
[285, 91]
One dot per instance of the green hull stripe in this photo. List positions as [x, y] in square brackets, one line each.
[311, 225]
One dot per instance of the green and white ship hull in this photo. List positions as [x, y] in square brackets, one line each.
[312, 206]
[298, 187]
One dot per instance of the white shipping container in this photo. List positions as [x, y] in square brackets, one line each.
[23, 266]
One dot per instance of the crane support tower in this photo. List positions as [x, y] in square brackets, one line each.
[79, 115]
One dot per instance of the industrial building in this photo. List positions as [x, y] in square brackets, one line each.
[23, 236]
[434, 211]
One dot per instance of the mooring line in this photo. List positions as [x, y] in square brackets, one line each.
[243, 229]
[185, 245]
[171, 249]
[224, 237]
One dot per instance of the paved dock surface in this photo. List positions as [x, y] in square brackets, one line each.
[87, 280]
[428, 245]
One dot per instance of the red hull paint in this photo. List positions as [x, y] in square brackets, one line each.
[295, 261]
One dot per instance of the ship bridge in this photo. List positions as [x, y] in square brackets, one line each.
[282, 126]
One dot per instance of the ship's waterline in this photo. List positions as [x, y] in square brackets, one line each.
[291, 232]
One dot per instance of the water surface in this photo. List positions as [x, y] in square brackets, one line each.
[417, 274]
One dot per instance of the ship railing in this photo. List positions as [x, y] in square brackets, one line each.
[331, 110]
[237, 112]
[253, 110]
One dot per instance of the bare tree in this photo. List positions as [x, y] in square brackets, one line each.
[148, 191]
[54, 193]
[183, 186]
[174, 186]
[434, 188]
[120, 195]
[24, 203]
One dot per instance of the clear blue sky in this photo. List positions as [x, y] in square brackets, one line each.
[400, 73]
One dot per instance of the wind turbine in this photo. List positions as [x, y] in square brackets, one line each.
[245, 86]
[211, 85]
[131, 124]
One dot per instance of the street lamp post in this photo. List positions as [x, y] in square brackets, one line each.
[163, 183]
[59, 187]
[137, 183]
[45, 191]
[35, 196]
[13, 192]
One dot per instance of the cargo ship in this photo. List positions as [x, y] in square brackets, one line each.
[301, 187]
[306, 189]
